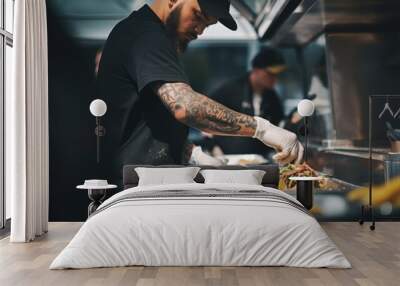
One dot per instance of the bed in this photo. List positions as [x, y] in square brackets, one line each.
[198, 224]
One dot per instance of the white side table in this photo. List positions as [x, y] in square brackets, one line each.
[97, 190]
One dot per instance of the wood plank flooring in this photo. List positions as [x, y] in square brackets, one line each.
[375, 257]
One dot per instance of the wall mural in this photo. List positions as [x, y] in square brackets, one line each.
[76, 40]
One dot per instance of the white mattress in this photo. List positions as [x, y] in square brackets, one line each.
[200, 231]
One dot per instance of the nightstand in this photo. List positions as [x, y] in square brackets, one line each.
[97, 190]
[304, 190]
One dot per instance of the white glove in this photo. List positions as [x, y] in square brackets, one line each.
[198, 157]
[288, 148]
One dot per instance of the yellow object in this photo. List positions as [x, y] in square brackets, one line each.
[389, 192]
[282, 185]
[276, 69]
[316, 210]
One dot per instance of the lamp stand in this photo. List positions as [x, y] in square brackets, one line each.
[306, 122]
[100, 131]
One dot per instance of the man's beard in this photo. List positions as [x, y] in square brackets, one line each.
[172, 25]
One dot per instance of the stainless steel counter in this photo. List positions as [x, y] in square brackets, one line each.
[350, 164]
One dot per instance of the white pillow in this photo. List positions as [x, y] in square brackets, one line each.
[166, 176]
[248, 177]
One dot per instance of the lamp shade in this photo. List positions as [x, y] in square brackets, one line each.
[98, 108]
[305, 108]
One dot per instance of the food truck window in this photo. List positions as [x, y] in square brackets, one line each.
[316, 84]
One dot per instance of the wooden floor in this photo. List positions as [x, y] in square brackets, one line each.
[375, 257]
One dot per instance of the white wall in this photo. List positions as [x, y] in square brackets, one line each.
[8, 86]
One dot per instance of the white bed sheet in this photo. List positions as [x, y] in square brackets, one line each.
[200, 232]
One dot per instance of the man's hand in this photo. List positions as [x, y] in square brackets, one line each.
[201, 112]
[200, 158]
[288, 148]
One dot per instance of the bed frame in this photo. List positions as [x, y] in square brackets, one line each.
[271, 178]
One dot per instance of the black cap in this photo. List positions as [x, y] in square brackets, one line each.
[270, 59]
[220, 10]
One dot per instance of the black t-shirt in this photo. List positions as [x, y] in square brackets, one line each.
[139, 128]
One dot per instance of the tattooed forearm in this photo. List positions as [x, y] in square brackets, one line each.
[201, 112]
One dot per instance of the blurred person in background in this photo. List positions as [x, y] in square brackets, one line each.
[151, 104]
[253, 94]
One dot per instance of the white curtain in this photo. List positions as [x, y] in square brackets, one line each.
[27, 143]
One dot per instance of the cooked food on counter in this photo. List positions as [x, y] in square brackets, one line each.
[301, 170]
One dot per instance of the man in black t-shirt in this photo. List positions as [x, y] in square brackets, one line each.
[150, 101]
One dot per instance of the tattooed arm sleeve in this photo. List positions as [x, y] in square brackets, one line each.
[201, 112]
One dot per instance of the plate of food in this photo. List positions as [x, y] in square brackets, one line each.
[292, 173]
